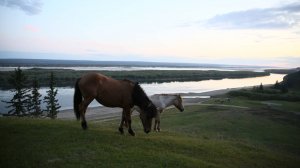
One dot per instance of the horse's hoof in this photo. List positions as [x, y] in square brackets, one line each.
[131, 132]
[121, 130]
[84, 126]
[125, 125]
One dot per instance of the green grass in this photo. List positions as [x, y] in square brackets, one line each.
[265, 95]
[244, 102]
[201, 136]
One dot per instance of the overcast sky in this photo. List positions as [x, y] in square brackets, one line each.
[256, 32]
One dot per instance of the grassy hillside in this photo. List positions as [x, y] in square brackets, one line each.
[201, 136]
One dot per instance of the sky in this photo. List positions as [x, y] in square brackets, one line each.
[237, 32]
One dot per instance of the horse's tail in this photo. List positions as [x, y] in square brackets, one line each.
[77, 99]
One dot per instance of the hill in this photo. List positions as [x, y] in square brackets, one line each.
[292, 80]
[287, 90]
[248, 134]
[282, 71]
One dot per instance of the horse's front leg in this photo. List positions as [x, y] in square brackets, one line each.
[128, 120]
[122, 123]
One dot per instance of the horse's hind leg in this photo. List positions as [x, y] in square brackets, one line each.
[83, 106]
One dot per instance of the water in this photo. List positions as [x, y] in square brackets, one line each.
[133, 68]
[65, 95]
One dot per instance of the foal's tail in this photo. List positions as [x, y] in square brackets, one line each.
[77, 99]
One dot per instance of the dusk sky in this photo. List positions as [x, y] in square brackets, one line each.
[256, 32]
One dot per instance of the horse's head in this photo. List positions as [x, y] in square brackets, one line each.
[178, 103]
[147, 115]
[148, 109]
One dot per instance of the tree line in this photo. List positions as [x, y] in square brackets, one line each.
[26, 100]
[66, 77]
[286, 90]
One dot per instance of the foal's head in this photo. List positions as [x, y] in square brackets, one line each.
[178, 103]
[148, 109]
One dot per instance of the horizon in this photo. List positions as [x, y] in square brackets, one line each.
[256, 33]
[150, 63]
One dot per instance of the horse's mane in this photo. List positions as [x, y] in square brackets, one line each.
[140, 98]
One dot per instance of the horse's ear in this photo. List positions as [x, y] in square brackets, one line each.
[179, 96]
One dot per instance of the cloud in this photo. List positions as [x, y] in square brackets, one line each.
[30, 7]
[287, 16]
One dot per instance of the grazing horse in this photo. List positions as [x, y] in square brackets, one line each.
[113, 93]
[162, 101]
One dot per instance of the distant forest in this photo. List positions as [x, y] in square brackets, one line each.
[68, 77]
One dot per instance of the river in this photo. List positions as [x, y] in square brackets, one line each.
[65, 95]
[135, 68]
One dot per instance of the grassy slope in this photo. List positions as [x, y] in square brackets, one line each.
[201, 136]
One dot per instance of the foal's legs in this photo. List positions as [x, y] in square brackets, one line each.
[158, 125]
[82, 108]
[157, 122]
[155, 125]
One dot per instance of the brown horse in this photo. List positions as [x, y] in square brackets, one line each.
[113, 93]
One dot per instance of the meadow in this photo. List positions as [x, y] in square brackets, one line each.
[239, 133]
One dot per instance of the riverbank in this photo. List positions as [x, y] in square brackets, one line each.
[105, 113]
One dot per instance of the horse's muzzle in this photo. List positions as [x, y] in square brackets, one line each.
[146, 131]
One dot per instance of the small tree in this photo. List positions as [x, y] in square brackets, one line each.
[34, 103]
[19, 101]
[261, 87]
[276, 85]
[52, 104]
[284, 88]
